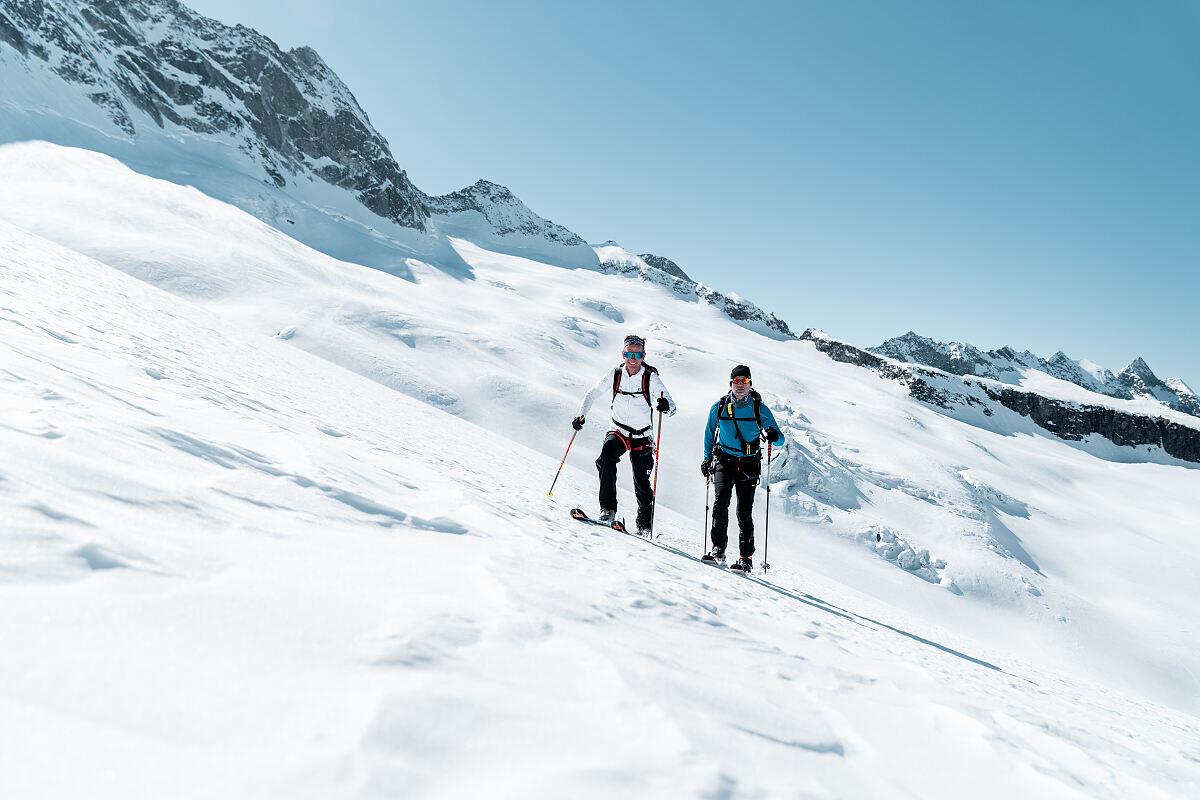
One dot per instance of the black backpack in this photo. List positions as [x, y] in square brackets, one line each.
[725, 406]
[647, 371]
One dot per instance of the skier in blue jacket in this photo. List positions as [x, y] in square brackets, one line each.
[732, 459]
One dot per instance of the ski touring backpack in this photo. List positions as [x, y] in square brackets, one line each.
[748, 448]
[647, 371]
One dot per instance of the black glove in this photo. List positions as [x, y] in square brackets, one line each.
[773, 435]
[577, 423]
[663, 405]
[704, 467]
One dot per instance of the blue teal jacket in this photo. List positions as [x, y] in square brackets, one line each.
[743, 418]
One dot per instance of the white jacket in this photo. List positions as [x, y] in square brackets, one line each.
[631, 415]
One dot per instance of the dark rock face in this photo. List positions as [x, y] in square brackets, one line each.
[288, 111]
[1069, 421]
[664, 264]
[1064, 419]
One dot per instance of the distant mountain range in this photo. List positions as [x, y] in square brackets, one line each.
[1007, 365]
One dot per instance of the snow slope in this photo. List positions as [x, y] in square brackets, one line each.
[281, 530]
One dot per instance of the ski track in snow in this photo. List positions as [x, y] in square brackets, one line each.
[233, 565]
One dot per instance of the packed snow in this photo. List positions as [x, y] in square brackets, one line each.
[276, 525]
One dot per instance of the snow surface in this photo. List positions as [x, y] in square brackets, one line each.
[276, 525]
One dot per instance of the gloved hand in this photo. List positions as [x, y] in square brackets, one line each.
[704, 467]
[577, 423]
[663, 406]
[773, 435]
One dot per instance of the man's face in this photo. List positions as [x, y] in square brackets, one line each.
[740, 390]
[633, 355]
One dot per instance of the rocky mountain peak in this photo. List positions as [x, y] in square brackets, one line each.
[665, 265]
[507, 217]
[155, 65]
[1140, 370]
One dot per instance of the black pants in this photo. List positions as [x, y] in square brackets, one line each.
[734, 475]
[641, 456]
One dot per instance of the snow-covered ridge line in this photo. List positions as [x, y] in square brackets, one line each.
[1008, 366]
[490, 215]
[1066, 419]
[616, 260]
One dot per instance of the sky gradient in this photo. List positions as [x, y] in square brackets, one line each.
[1021, 173]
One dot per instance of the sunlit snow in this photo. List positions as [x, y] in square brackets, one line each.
[276, 525]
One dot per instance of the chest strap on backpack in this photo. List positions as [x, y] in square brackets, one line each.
[750, 448]
[647, 371]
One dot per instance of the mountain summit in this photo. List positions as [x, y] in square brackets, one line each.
[155, 66]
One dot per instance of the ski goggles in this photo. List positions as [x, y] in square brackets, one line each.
[633, 355]
[740, 381]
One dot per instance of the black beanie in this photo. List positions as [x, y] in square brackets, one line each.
[740, 371]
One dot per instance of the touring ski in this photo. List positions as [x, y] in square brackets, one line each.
[581, 515]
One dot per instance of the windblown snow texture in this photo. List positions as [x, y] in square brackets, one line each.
[278, 429]
[276, 526]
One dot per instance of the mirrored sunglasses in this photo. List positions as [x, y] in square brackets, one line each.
[740, 381]
[631, 354]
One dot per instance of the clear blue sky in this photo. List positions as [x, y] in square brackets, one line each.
[1022, 172]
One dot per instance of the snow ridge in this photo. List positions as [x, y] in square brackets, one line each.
[490, 214]
[1007, 365]
[616, 260]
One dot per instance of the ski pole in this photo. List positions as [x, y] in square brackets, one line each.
[654, 491]
[560, 465]
[707, 480]
[767, 522]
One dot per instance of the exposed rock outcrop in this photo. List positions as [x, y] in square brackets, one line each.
[1065, 419]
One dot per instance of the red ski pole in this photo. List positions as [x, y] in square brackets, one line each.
[560, 465]
[654, 491]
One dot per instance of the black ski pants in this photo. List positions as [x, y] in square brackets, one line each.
[641, 457]
[731, 475]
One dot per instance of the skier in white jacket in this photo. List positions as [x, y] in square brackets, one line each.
[635, 391]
